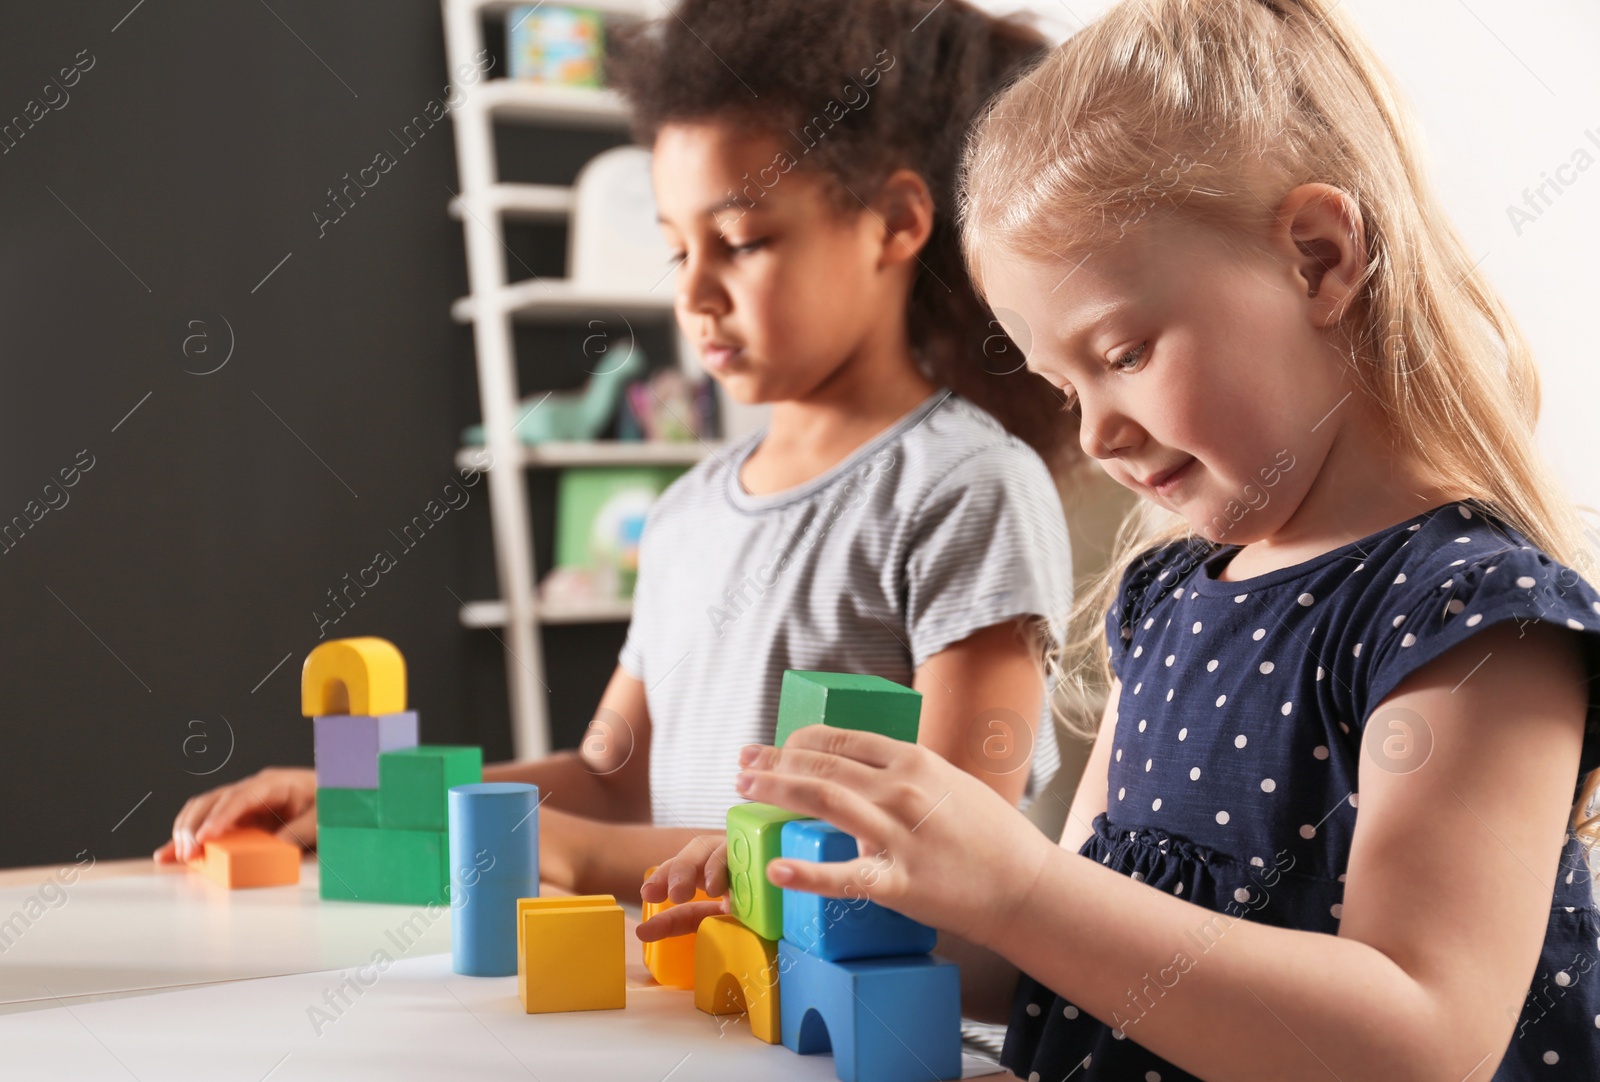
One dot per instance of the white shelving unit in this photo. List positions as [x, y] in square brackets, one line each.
[483, 206]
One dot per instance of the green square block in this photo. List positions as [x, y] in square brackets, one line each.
[412, 784]
[847, 701]
[346, 807]
[366, 864]
[755, 836]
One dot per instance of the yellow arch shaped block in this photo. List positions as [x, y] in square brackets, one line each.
[736, 971]
[353, 676]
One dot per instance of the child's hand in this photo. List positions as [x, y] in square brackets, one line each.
[936, 843]
[278, 799]
[701, 865]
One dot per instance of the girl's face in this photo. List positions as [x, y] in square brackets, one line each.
[1182, 352]
[776, 296]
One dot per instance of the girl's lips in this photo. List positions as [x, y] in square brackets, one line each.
[720, 358]
[1173, 479]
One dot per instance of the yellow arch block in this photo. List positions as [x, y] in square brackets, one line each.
[353, 676]
[736, 971]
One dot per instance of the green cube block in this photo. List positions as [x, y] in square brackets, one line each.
[847, 701]
[412, 783]
[366, 864]
[755, 836]
[346, 807]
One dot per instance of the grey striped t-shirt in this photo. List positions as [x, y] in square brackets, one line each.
[936, 528]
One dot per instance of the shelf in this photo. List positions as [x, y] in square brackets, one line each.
[542, 103]
[491, 614]
[517, 202]
[548, 300]
[604, 453]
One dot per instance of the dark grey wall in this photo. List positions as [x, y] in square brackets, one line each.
[145, 611]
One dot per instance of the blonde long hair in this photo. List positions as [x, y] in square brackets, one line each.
[1215, 109]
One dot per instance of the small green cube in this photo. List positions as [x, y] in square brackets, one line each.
[365, 864]
[755, 836]
[847, 701]
[346, 807]
[412, 783]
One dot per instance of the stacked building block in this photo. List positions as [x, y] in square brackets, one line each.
[842, 975]
[671, 960]
[570, 953]
[249, 857]
[382, 819]
[494, 861]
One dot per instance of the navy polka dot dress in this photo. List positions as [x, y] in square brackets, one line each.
[1232, 781]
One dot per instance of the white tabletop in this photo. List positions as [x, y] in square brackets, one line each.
[161, 975]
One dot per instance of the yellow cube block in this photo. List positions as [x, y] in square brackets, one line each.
[570, 953]
[671, 960]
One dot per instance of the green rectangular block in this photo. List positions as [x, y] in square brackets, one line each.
[366, 864]
[847, 701]
[412, 784]
[755, 836]
[346, 807]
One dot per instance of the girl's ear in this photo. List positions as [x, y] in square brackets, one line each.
[904, 210]
[1322, 226]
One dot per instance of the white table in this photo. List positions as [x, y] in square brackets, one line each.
[147, 973]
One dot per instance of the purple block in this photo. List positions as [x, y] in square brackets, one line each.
[347, 746]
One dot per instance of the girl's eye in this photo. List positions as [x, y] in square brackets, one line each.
[1132, 357]
[747, 247]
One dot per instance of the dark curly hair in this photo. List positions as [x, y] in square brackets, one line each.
[863, 87]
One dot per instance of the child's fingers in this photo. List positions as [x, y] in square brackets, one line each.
[819, 798]
[679, 920]
[869, 749]
[654, 887]
[167, 854]
[189, 818]
[268, 800]
[717, 871]
[834, 879]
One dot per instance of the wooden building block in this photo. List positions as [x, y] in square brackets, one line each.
[249, 858]
[847, 701]
[754, 838]
[735, 972]
[884, 1019]
[413, 783]
[353, 676]
[840, 929]
[346, 807]
[570, 953]
[346, 746]
[365, 864]
[494, 861]
[671, 960]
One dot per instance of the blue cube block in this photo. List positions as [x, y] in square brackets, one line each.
[494, 860]
[884, 1019]
[840, 929]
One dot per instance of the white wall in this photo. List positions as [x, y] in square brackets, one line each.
[1505, 92]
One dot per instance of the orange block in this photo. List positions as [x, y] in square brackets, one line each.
[670, 961]
[249, 858]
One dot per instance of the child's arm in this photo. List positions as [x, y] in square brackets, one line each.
[981, 701]
[1446, 900]
[608, 777]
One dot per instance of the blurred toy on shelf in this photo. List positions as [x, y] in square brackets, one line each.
[560, 46]
[669, 407]
[575, 415]
[600, 515]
